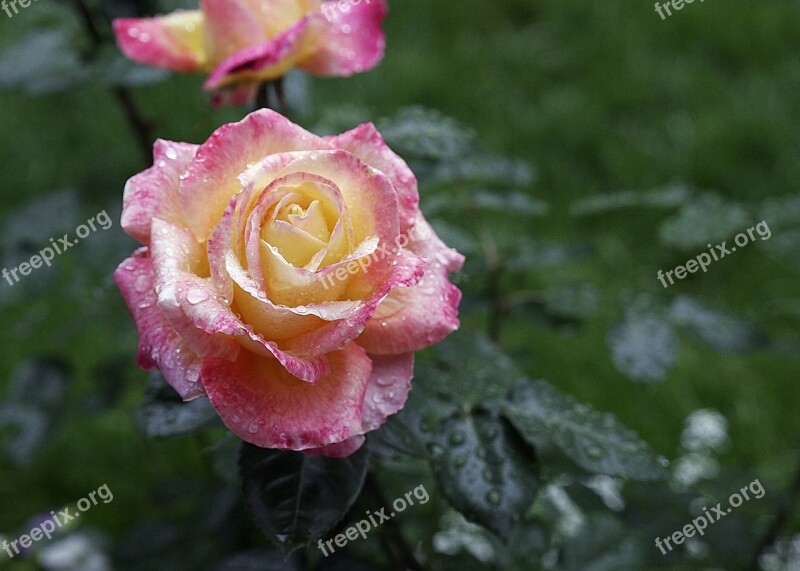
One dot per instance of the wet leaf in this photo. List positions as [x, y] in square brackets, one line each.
[163, 413]
[486, 471]
[643, 346]
[709, 219]
[297, 498]
[721, 330]
[595, 441]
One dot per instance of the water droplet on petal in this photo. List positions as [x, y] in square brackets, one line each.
[196, 295]
[171, 154]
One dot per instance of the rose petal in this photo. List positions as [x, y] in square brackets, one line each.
[264, 61]
[351, 41]
[386, 395]
[211, 179]
[159, 345]
[367, 144]
[177, 255]
[264, 405]
[388, 388]
[240, 94]
[339, 449]
[337, 334]
[154, 192]
[173, 42]
[232, 25]
[413, 318]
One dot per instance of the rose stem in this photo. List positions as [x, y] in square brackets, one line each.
[140, 126]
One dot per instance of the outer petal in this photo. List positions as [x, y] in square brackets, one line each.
[159, 345]
[339, 449]
[173, 42]
[351, 41]
[263, 404]
[413, 318]
[154, 192]
[240, 95]
[211, 179]
[388, 388]
[265, 60]
[367, 144]
[386, 395]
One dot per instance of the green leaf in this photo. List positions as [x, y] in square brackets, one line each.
[574, 300]
[643, 346]
[721, 330]
[709, 219]
[163, 413]
[296, 498]
[422, 133]
[518, 203]
[467, 369]
[485, 470]
[667, 197]
[529, 254]
[484, 169]
[405, 434]
[595, 441]
[23, 431]
[44, 61]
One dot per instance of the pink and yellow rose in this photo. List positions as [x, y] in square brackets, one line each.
[233, 294]
[242, 43]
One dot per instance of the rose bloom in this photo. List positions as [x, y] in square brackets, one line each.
[243, 43]
[288, 277]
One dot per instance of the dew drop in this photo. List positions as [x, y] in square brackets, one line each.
[171, 154]
[196, 295]
[460, 461]
[141, 284]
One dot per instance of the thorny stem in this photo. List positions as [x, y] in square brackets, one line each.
[139, 125]
[397, 545]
